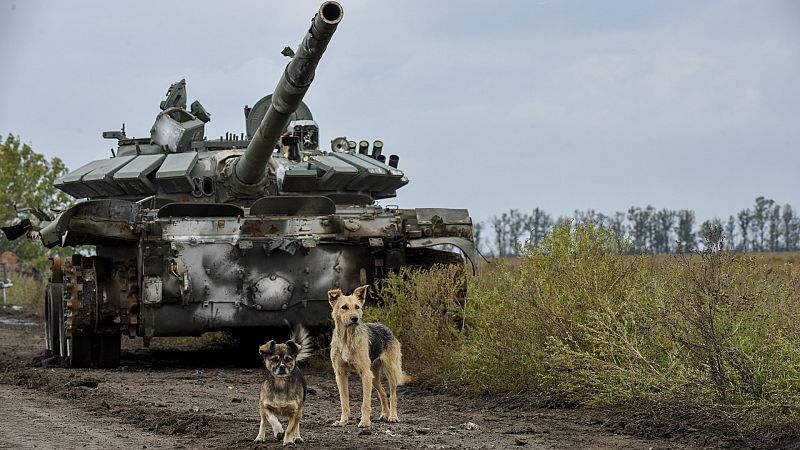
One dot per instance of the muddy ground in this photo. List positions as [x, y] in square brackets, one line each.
[178, 394]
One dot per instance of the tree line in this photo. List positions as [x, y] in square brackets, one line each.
[766, 226]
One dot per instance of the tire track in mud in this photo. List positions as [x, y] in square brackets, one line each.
[32, 420]
[189, 397]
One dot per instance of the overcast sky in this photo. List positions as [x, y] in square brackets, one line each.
[491, 105]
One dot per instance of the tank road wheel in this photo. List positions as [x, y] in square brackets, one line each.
[108, 349]
[92, 307]
[48, 323]
[79, 346]
[60, 326]
[79, 292]
[51, 329]
[107, 315]
[54, 312]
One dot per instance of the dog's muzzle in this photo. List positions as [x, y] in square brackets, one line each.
[281, 371]
[353, 321]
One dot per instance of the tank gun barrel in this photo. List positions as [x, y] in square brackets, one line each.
[289, 93]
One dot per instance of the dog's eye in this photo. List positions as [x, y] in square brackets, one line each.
[274, 359]
[288, 359]
[358, 307]
[344, 307]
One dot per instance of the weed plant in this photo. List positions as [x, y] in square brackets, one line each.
[28, 293]
[577, 322]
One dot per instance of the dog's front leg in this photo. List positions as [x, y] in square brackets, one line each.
[342, 373]
[366, 403]
[267, 416]
[262, 428]
[293, 428]
[277, 428]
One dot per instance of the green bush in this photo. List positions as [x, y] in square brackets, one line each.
[565, 323]
[425, 309]
[26, 292]
[735, 322]
[576, 321]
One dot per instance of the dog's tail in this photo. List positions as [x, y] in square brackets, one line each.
[401, 377]
[407, 379]
[393, 363]
[304, 342]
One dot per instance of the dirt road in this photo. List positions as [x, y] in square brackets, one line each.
[185, 397]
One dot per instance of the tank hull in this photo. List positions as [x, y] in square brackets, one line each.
[163, 272]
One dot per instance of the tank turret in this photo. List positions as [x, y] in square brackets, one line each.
[288, 93]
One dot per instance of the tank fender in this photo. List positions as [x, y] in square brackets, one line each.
[465, 245]
[108, 218]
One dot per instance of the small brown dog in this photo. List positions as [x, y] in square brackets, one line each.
[283, 393]
[369, 349]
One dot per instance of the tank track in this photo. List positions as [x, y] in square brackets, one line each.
[88, 306]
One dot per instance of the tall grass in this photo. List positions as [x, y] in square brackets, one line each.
[27, 292]
[575, 321]
[428, 312]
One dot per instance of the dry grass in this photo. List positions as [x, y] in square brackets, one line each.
[428, 312]
[576, 321]
[27, 293]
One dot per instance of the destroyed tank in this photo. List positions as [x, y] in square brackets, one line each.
[245, 232]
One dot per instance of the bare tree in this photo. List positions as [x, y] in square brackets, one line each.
[774, 228]
[517, 223]
[745, 218]
[616, 223]
[708, 229]
[730, 232]
[662, 237]
[539, 223]
[640, 227]
[791, 229]
[685, 231]
[761, 212]
[500, 234]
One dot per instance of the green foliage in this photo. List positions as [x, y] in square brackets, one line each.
[577, 321]
[735, 321]
[27, 179]
[27, 292]
[426, 313]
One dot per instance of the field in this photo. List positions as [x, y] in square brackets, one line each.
[708, 339]
[574, 344]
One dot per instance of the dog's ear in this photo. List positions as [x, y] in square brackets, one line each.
[334, 295]
[267, 348]
[361, 293]
[294, 349]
